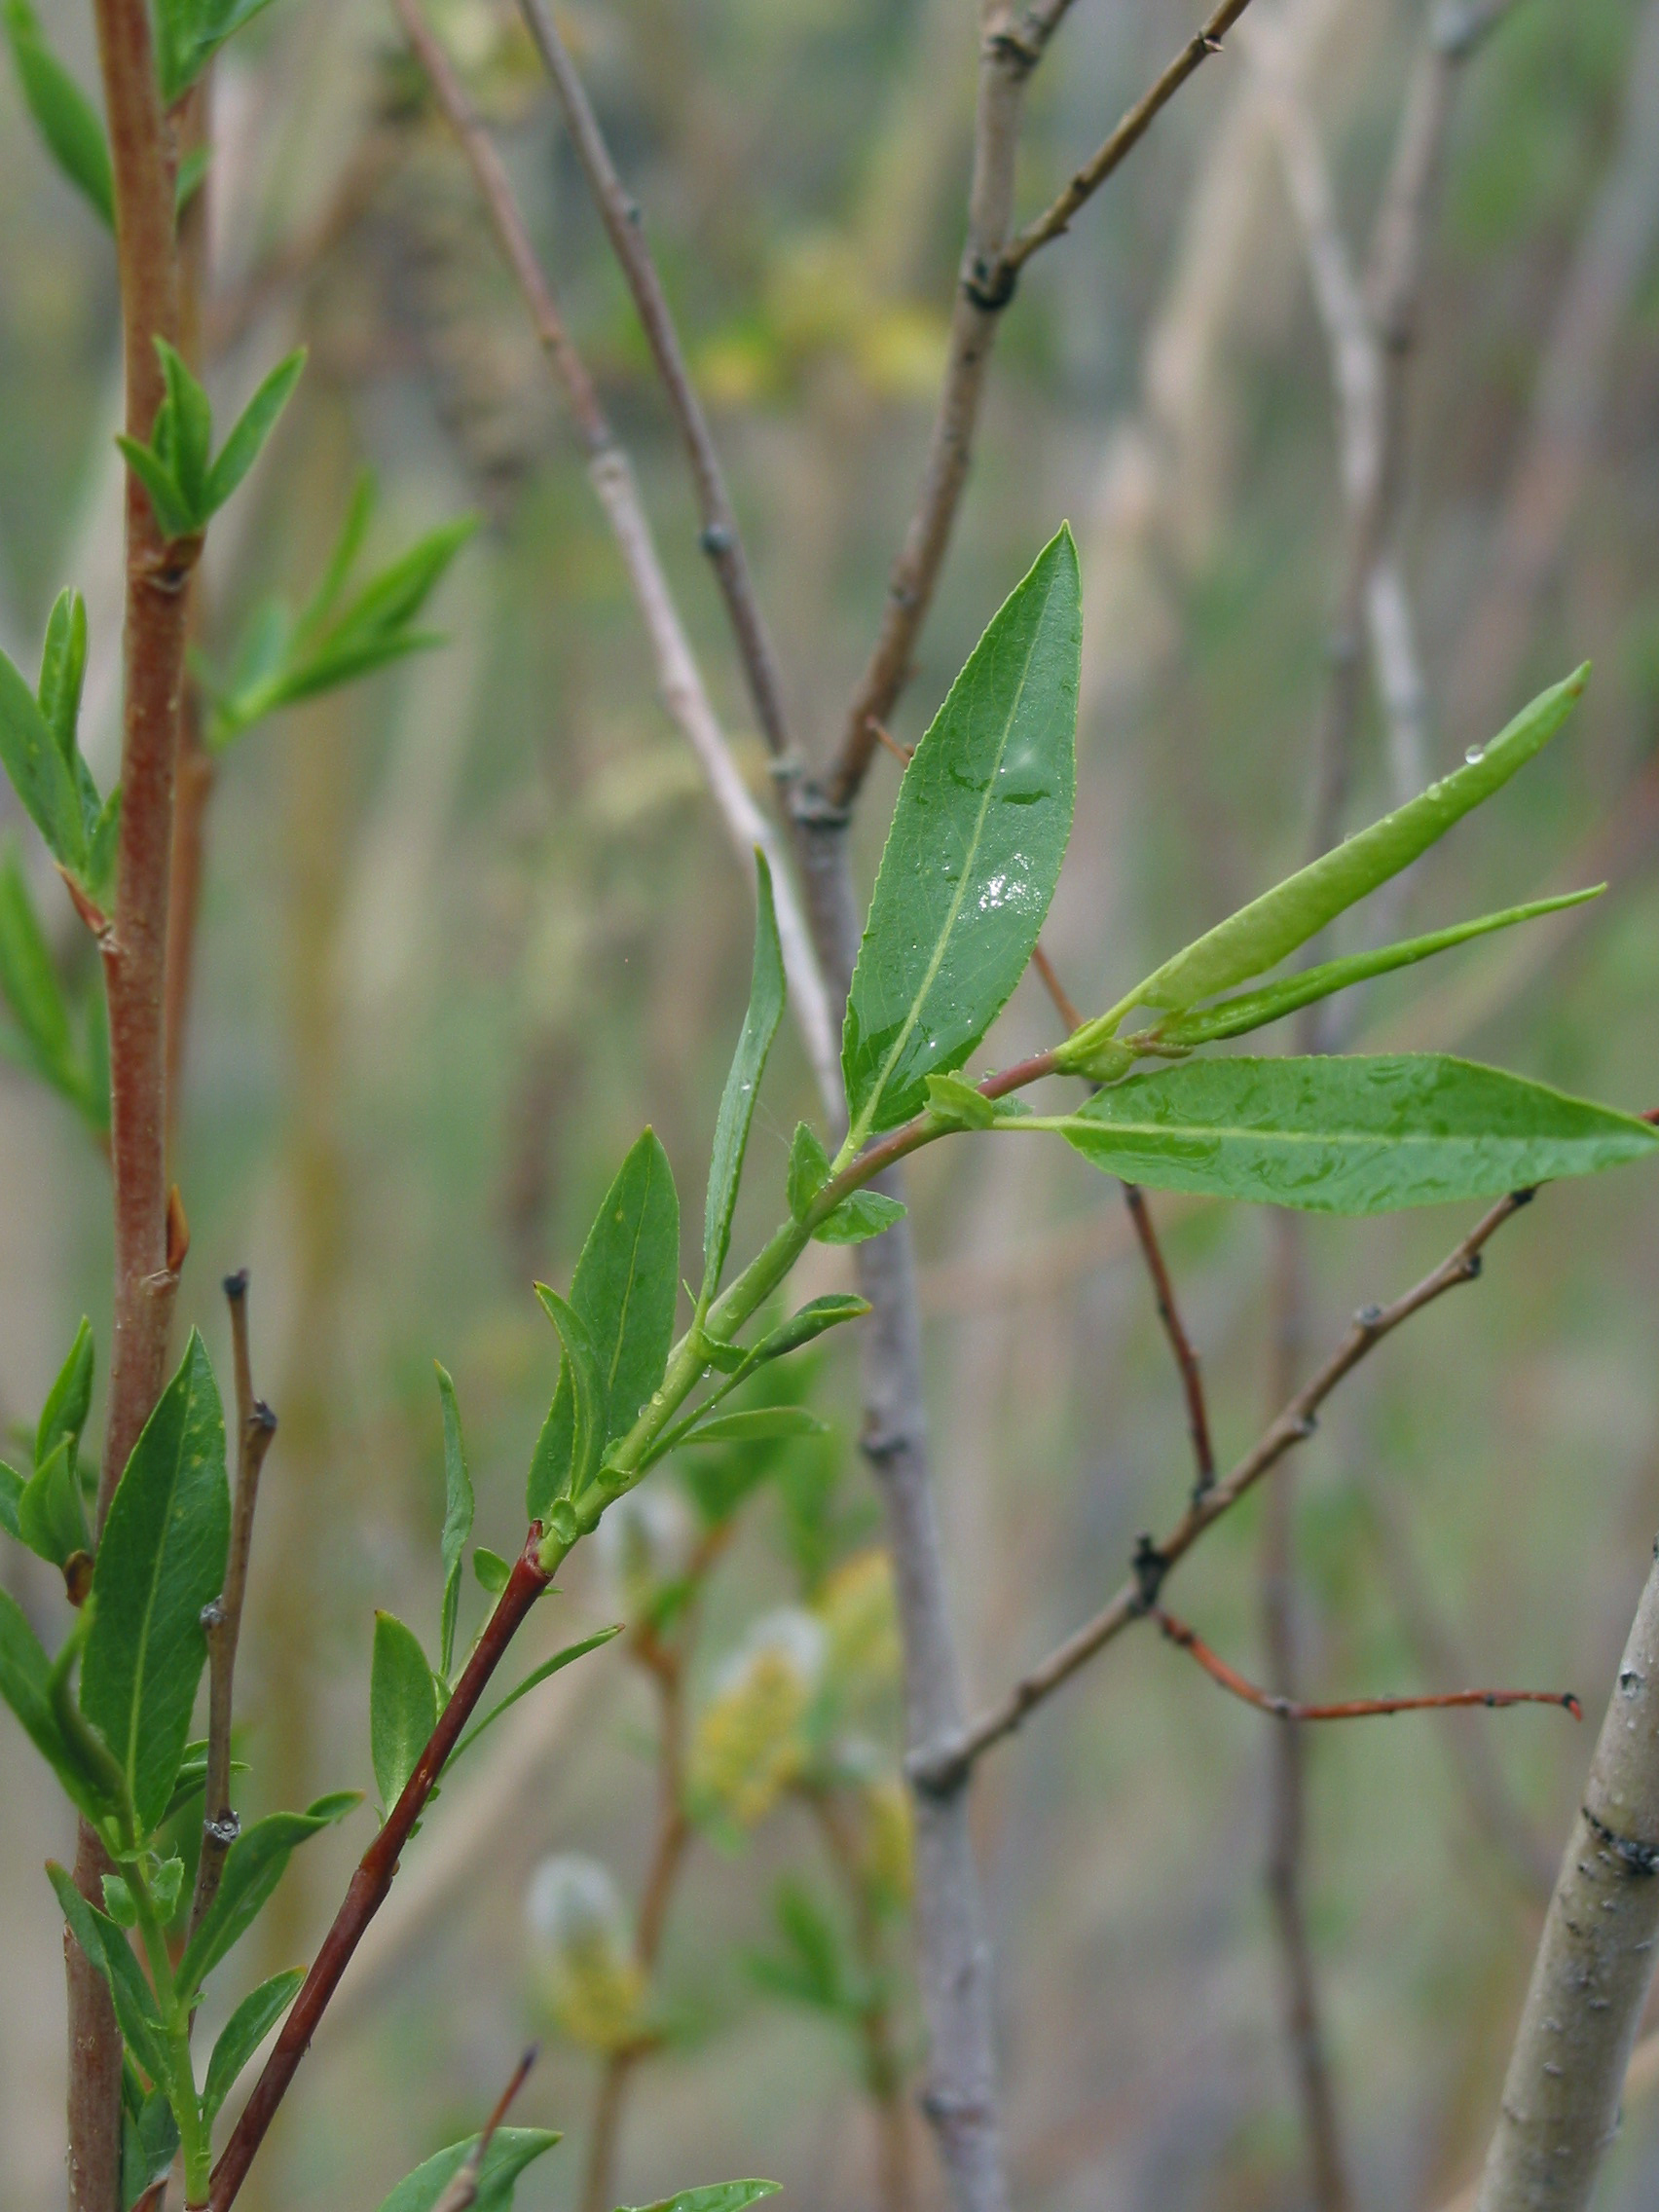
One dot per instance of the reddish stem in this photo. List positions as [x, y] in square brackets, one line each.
[374, 1877]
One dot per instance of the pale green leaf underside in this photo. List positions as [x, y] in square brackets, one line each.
[1353, 1135]
[973, 854]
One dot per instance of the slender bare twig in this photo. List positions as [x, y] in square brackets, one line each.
[1187, 1638]
[611, 475]
[941, 1763]
[256, 1426]
[463, 2190]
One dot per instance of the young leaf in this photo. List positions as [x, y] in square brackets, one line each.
[458, 1517]
[859, 1217]
[492, 1570]
[160, 1559]
[10, 1494]
[254, 1865]
[28, 985]
[812, 1321]
[403, 1705]
[258, 419]
[973, 854]
[623, 1296]
[174, 516]
[39, 774]
[1254, 1010]
[742, 1085]
[809, 1170]
[109, 1954]
[1259, 935]
[63, 671]
[953, 1098]
[717, 2196]
[184, 431]
[812, 1971]
[511, 2150]
[149, 2143]
[756, 1424]
[25, 1685]
[536, 1676]
[1355, 1136]
[51, 1518]
[70, 1398]
[243, 2034]
[190, 32]
[64, 117]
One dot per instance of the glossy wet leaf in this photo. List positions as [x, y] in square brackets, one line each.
[1351, 1135]
[1253, 1010]
[973, 853]
[1262, 934]
[243, 2034]
[624, 1294]
[253, 1867]
[160, 1559]
[403, 1705]
[511, 2150]
[743, 1083]
[458, 1516]
[109, 1953]
[858, 1218]
[25, 1685]
[63, 114]
[536, 1676]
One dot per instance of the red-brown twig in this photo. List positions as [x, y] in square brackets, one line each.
[462, 2189]
[256, 1426]
[1349, 1708]
[374, 1876]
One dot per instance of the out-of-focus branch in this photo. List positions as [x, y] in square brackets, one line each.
[611, 475]
[462, 2193]
[943, 1761]
[1595, 1963]
[256, 1426]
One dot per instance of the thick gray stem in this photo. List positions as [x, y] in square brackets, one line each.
[1595, 1963]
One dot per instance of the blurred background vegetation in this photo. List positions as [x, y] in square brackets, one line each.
[470, 926]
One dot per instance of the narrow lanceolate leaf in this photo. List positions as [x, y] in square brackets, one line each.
[457, 1515]
[52, 1519]
[624, 1294]
[973, 854]
[511, 2150]
[258, 419]
[403, 1705]
[63, 670]
[1354, 1135]
[717, 2196]
[756, 1424]
[70, 1398]
[243, 2032]
[64, 117]
[1259, 936]
[533, 1680]
[743, 1083]
[160, 1559]
[571, 1443]
[253, 1867]
[25, 1685]
[39, 774]
[1254, 1010]
[813, 1319]
[109, 1953]
[41, 1038]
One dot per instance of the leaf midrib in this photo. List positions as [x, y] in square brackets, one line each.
[868, 1117]
[1066, 1123]
[131, 1760]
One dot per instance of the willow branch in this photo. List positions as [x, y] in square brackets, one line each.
[463, 2190]
[611, 476]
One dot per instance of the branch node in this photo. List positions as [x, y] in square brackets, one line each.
[1638, 1857]
[1149, 1567]
[990, 287]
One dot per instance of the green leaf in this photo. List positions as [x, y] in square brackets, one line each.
[951, 1098]
[70, 1398]
[39, 774]
[109, 1954]
[1259, 935]
[258, 419]
[254, 1865]
[11, 1493]
[403, 1705]
[51, 1518]
[491, 1568]
[190, 32]
[756, 1424]
[571, 1443]
[183, 435]
[717, 2196]
[458, 1516]
[1354, 1135]
[859, 1217]
[1253, 1010]
[624, 1294]
[812, 1971]
[161, 1560]
[63, 671]
[25, 1685]
[149, 2141]
[511, 2150]
[64, 117]
[813, 1319]
[119, 1902]
[809, 1170]
[192, 169]
[29, 986]
[243, 2034]
[532, 1681]
[742, 1085]
[973, 854]
[174, 517]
